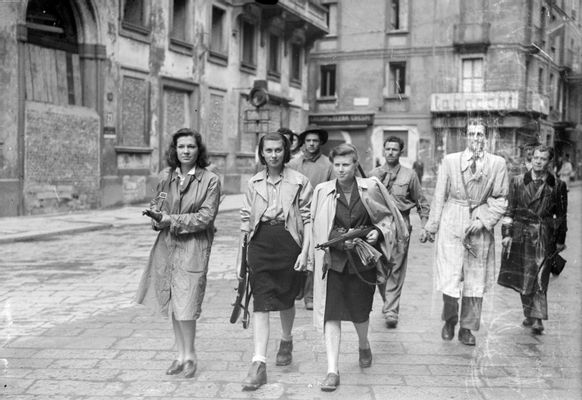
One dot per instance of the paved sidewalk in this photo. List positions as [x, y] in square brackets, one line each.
[16, 229]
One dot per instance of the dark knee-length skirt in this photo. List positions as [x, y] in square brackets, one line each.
[272, 253]
[348, 298]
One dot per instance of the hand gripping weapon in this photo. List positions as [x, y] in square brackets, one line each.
[243, 291]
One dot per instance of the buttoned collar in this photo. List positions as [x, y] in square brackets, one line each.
[467, 159]
[309, 157]
[528, 178]
[331, 185]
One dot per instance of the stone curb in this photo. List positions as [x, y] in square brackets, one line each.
[44, 235]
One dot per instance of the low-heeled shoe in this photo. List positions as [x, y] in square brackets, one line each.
[391, 323]
[256, 377]
[537, 327]
[527, 322]
[189, 369]
[448, 332]
[331, 382]
[466, 337]
[284, 355]
[365, 358]
[175, 368]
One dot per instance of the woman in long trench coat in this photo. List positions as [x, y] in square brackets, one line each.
[174, 280]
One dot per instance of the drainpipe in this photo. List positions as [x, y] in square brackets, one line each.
[22, 38]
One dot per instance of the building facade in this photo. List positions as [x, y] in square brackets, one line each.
[94, 89]
[419, 70]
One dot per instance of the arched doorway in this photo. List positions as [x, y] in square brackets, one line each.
[60, 68]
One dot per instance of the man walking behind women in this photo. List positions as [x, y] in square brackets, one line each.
[534, 232]
[174, 280]
[276, 220]
[404, 185]
[469, 200]
[340, 290]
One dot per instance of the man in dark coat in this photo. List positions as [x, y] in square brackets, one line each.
[534, 231]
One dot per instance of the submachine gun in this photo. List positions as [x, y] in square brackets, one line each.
[243, 291]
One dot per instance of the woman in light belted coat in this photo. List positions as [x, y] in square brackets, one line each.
[174, 281]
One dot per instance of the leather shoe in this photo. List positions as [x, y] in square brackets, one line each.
[391, 323]
[309, 305]
[175, 368]
[256, 377]
[189, 369]
[448, 332]
[365, 358]
[527, 322]
[331, 382]
[537, 328]
[284, 356]
[466, 337]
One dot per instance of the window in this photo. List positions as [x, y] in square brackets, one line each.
[248, 44]
[181, 21]
[295, 74]
[472, 78]
[394, 14]
[331, 19]
[273, 63]
[541, 80]
[397, 78]
[217, 38]
[327, 83]
[134, 13]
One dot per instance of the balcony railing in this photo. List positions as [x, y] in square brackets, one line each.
[471, 37]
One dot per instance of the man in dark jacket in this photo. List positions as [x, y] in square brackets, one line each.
[534, 231]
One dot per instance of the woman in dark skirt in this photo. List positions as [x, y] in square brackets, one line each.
[344, 286]
[275, 218]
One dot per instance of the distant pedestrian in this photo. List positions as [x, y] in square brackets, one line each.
[344, 285]
[534, 231]
[404, 185]
[294, 141]
[174, 281]
[317, 168]
[276, 220]
[418, 167]
[566, 170]
[469, 200]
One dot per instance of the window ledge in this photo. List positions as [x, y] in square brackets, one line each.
[274, 76]
[394, 97]
[133, 149]
[135, 32]
[326, 99]
[329, 37]
[179, 46]
[248, 68]
[218, 58]
[397, 32]
[296, 83]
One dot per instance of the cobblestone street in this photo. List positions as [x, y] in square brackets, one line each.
[69, 330]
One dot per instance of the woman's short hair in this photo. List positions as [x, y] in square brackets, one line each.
[172, 153]
[542, 148]
[344, 149]
[394, 139]
[277, 137]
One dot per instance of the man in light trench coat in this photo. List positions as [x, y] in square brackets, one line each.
[469, 200]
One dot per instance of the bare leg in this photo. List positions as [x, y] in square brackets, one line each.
[261, 332]
[188, 329]
[179, 339]
[333, 335]
[287, 320]
[362, 331]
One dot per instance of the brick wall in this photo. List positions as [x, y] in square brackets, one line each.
[61, 159]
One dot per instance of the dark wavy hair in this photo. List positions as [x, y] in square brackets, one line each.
[542, 148]
[172, 154]
[275, 136]
[395, 139]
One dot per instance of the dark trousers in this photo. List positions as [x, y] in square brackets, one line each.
[470, 311]
[535, 305]
[308, 288]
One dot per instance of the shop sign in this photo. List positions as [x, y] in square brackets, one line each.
[342, 119]
[477, 101]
